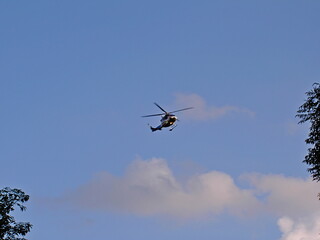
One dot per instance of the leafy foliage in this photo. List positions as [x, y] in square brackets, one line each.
[310, 112]
[9, 229]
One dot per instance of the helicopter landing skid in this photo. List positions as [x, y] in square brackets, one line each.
[173, 128]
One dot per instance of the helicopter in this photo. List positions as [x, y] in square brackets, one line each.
[168, 119]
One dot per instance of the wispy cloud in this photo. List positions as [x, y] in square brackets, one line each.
[291, 128]
[203, 111]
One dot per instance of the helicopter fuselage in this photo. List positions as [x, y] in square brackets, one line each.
[168, 120]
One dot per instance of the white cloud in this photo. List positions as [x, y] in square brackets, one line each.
[202, 111]
[150, 188]
[295, 201]
[303, 229]
[287, 196]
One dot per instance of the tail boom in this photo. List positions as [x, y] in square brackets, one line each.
[155, 129]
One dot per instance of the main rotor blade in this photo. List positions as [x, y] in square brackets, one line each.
[182, 110]
[153, 115]
[160, 108]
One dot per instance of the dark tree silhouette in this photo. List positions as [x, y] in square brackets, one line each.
[9, 228]
[310, 112]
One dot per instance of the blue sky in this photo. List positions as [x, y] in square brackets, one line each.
[75, 77]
